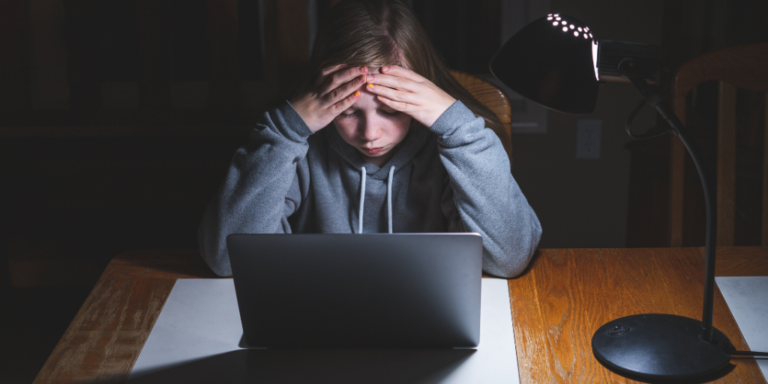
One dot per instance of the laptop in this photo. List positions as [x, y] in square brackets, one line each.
[419, 290]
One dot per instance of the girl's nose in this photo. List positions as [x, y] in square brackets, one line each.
[370, 131]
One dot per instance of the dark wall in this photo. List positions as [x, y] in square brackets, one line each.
[692, 28]
[118, 119]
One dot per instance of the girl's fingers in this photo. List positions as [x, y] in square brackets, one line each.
[396, 105]
[396, 70]
[391, 93]
[345, 103]
[393, 82]
[341, 77]
[343, 91]
[324, 72]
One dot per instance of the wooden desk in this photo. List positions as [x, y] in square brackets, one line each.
[564, 296]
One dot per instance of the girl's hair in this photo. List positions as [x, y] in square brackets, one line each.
[376, 33]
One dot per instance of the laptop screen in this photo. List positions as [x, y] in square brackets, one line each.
[358, 290]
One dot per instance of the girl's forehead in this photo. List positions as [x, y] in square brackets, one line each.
[367, 100]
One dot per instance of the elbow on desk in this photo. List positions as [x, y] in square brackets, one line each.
[510, 270]
[517, 258]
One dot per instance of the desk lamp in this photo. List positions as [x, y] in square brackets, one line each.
[555, 61]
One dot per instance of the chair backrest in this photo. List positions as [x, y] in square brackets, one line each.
[745, 67]
[492, 97]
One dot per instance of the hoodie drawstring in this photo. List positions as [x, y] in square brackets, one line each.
[362, 202]
[389, 198]
[362, 199]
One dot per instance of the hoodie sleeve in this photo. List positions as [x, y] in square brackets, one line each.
[485, 194]
[261, 187]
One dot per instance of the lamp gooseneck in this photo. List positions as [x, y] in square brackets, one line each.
[654, 100]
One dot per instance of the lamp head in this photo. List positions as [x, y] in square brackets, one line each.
[555, 61]
[549, 62]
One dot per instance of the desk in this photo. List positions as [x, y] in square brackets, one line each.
[557, 304]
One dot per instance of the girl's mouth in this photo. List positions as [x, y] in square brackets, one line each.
[373, 151]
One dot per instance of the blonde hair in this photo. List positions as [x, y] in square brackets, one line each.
[376, 33]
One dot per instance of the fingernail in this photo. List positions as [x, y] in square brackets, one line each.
[385, 68]
[370, 86]
[357, 93]
[362, 77]
[364, 69]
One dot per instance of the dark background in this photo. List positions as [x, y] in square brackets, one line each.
[118, 120]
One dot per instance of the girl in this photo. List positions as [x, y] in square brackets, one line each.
[381, 138]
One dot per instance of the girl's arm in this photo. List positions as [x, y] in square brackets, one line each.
[486, 196]
[261, 187]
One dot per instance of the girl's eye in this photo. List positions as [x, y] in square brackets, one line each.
[393, 113]
[347, 115]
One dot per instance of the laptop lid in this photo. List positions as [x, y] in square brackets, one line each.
[358, 290]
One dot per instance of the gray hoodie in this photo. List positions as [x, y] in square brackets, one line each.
[453, 177]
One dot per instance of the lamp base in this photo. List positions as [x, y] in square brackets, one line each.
[660, 347]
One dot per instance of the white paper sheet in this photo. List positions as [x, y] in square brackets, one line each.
[196, 336]
[747, 298]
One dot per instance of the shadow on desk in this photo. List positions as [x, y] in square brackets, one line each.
[316, 366]
[697, 380]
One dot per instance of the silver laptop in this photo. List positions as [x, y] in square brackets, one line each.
[358, 291]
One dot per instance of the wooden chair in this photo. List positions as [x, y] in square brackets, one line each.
[743, 67]
[492, 97]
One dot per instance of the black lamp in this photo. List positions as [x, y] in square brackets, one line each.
[555, 61]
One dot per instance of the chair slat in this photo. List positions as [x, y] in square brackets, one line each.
[735, 67]
[743, 66]
[726, 164]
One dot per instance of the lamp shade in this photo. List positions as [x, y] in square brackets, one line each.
[550, 62]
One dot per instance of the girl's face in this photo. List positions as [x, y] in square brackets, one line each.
[373, 128]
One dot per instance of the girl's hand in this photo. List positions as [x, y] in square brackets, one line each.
[334, 92]
[406, 91]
